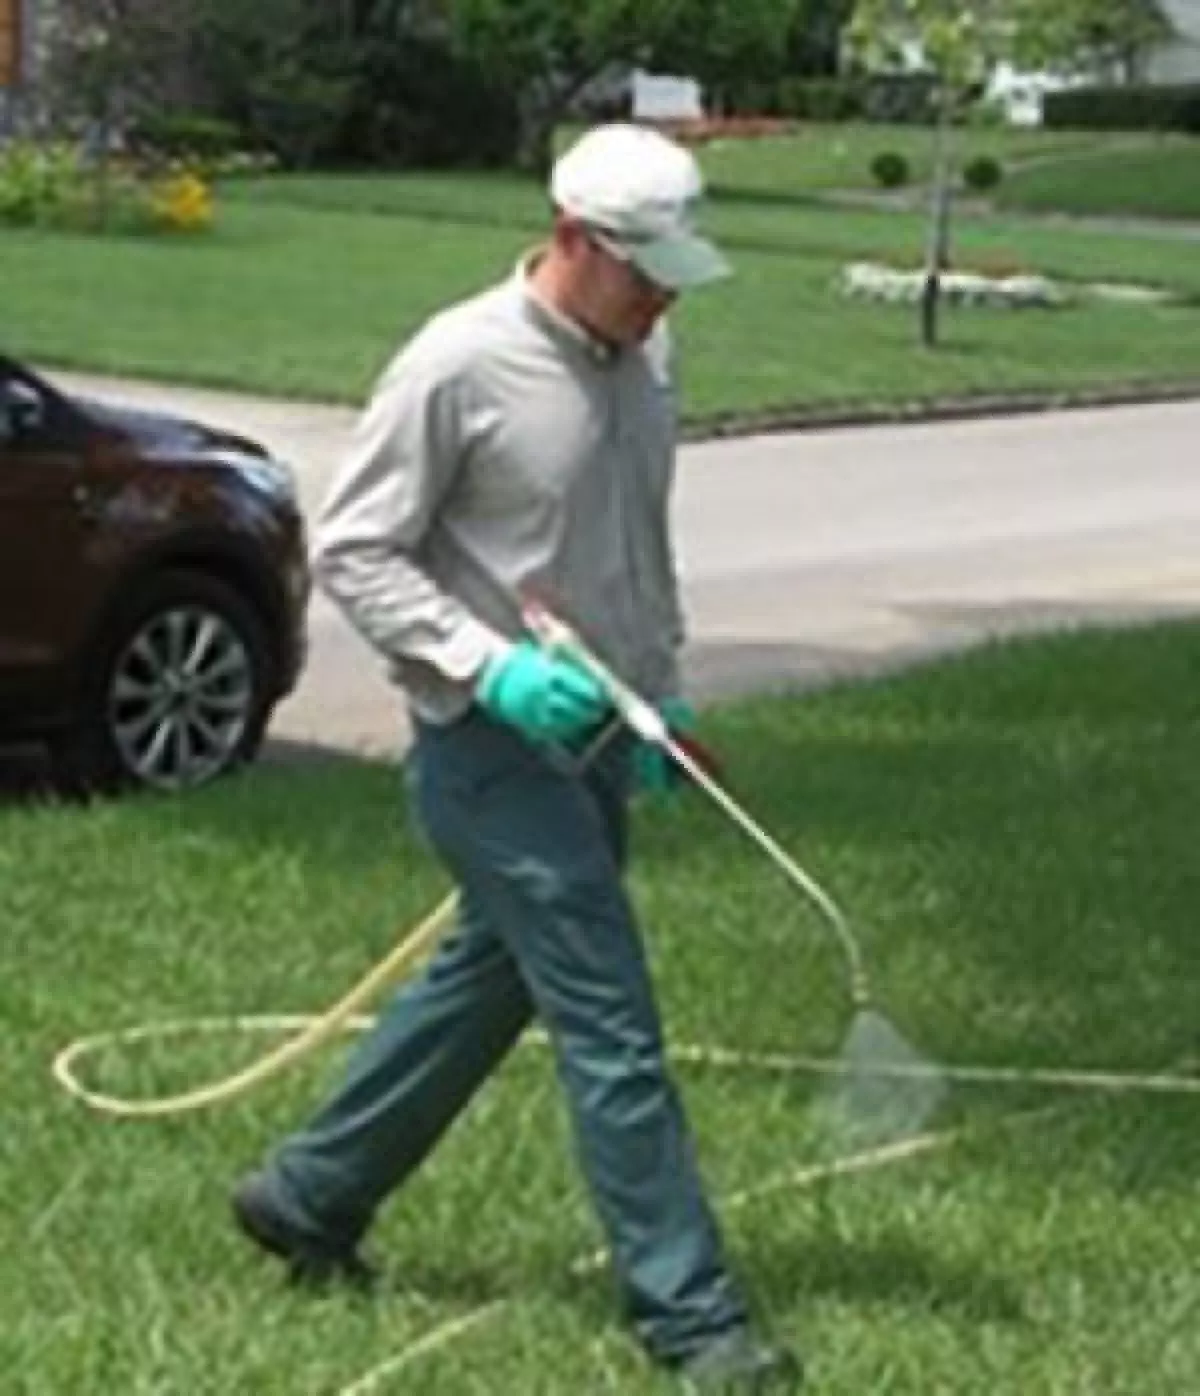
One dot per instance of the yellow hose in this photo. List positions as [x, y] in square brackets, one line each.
[314, 1033]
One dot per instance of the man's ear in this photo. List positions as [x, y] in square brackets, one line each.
[569, 234]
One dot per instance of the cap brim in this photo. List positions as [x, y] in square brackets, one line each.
[679, 262]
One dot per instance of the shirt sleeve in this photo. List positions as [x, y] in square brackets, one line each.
[662, 358]
[673, 680]
[407, 448]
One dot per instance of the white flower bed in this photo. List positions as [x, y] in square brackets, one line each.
[871, 281]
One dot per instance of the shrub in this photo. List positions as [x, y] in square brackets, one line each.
[890, 169]
[819, 99]
[51, 186]
[421, 105]
[1129, 108]
[903, 98]
[35, 181]
[185, 135]
[751, 97]
[982, 173]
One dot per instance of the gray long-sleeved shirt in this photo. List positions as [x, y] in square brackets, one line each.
[506, 453]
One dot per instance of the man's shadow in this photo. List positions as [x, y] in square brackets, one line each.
[893, 1269]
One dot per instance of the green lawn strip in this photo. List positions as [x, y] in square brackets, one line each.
[819, 157]
[280, 300]
[1004, 243]
[302, 302]
[763, 218]
[1011, 832]
[809, 348]
[475, 199]
[1155, 182]
[816, 159]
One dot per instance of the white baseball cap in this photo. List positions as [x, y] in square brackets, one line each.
[640, 191]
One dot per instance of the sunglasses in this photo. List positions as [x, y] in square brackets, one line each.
[620, 251]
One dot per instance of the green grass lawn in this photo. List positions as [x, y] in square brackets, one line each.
[308, 284]
[1158, 181]
[1013, 833]
[1047, 171]
[822, 157]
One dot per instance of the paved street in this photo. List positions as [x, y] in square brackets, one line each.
[835, 552]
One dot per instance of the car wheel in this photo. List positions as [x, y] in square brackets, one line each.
[179, 692]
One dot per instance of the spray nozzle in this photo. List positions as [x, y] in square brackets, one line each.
[558, 637]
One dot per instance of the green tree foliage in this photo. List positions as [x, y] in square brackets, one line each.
[814, 44]
[358, 82]
[960, 45]
[723, 43]
[107, 60]
[1096, 37]
[547, 51]
[275, 68]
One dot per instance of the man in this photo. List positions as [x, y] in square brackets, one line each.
[522, 444]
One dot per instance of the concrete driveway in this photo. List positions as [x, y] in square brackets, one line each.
[832, 553]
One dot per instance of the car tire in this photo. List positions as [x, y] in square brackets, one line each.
[177, 692]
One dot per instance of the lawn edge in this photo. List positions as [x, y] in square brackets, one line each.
[713, 426]
[963, 407]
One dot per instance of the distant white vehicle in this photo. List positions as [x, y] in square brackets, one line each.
[664, 97]
[1021, 94]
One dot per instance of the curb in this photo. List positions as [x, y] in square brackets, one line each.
[917, 410]
[797, 417]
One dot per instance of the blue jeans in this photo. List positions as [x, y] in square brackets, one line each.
[546, 930]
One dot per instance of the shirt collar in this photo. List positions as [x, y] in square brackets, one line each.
[550, 318]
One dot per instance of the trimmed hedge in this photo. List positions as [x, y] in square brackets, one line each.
[184, 134]
[891, 98]
[798, 99]
[820, 99]
[1133, 108]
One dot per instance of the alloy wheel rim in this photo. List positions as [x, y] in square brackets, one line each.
[181, 698]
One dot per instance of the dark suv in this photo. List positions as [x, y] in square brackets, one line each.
[153, 588]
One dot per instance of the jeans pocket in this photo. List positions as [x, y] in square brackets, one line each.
[466, 759]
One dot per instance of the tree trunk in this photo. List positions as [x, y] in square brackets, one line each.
[937, 254]
[535, 143]
[540, 107]
[930, 296]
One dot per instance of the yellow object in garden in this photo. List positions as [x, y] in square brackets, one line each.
[182, 203]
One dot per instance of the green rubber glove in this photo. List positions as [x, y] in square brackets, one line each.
[546, 697]
[654, 773]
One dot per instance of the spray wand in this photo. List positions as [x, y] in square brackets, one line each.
[646, 722]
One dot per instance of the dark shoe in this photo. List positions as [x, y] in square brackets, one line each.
[738, 1362]
[309, 1260]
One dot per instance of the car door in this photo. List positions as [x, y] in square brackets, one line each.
[44, 582]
